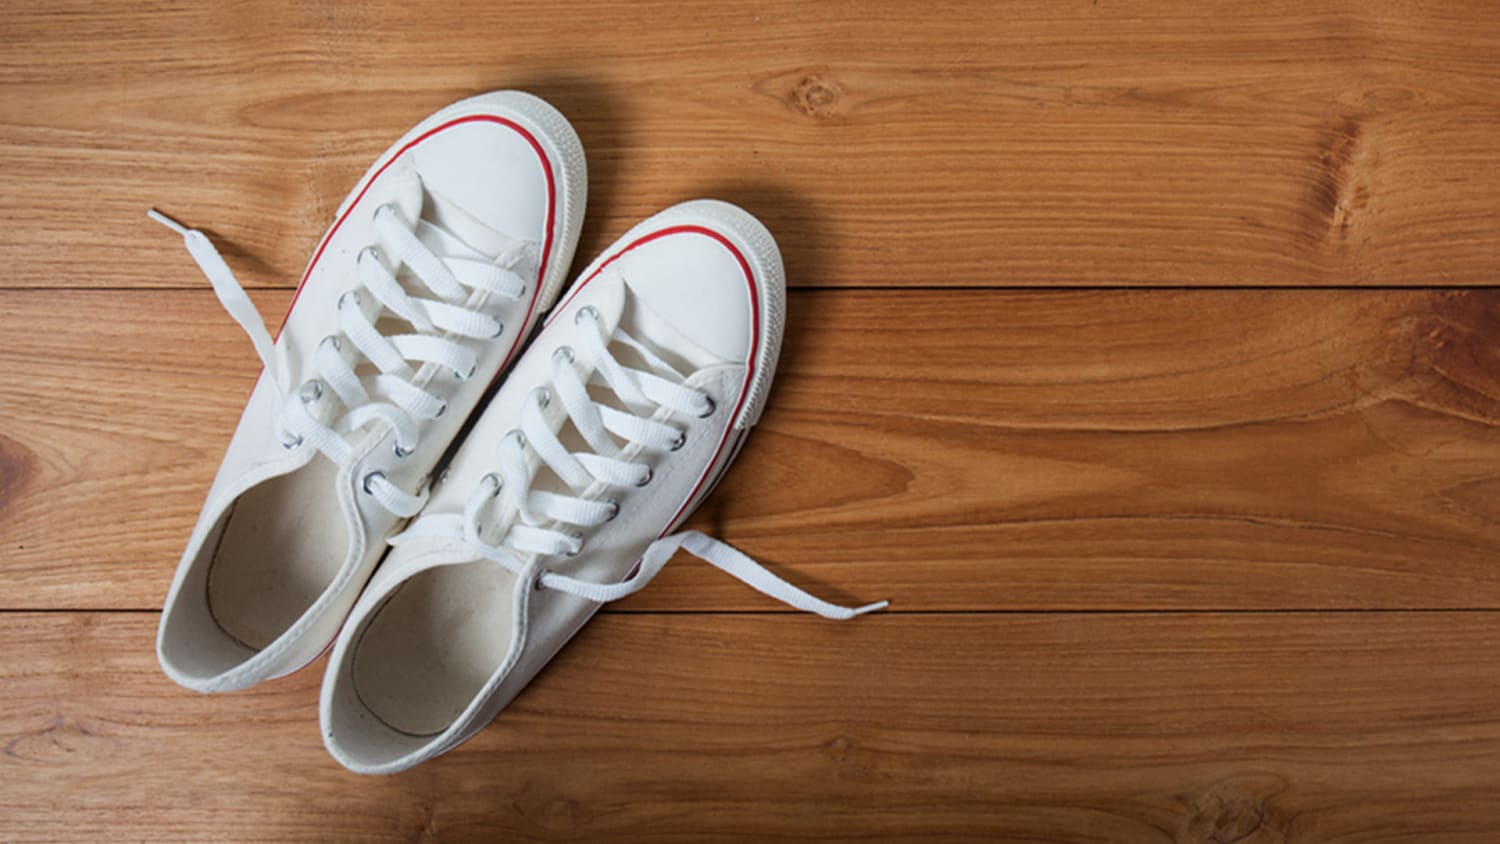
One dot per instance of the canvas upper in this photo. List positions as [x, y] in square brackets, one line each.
[420, 295]
[616, 423]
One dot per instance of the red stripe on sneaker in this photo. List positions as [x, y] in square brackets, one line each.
[754, 336]
[541, 272]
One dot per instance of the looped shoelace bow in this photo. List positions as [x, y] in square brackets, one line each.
[390, 396]
[541, 516]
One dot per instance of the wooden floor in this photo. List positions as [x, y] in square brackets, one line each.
[1145, 355]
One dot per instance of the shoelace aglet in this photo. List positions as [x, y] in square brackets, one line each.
[878, 605]
[231, 294]
[168, 222]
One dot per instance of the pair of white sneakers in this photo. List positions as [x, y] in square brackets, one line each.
[606, 430]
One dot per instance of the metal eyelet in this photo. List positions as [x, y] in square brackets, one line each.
[614, 509]
[369, 479]
[539, 575]
[311, 391]
[709, 408]
[647, 479]
[578, 535]
[348, 296]
[402, 452]
[681, 441]
[543, 398]
[443, 408]
[292, 445]
[333, 341]
[499, 329]
[586, 310]
[519, 437]
[464, 376]
[564, 354]
[373, 252]
[496, 480]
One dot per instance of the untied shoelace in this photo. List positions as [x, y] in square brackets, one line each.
[539, 523]
[388, 396]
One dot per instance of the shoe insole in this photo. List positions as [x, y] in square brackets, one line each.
[433, 645]
[282, 545]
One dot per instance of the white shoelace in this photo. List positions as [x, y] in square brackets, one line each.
[389, 396]
[542, 517]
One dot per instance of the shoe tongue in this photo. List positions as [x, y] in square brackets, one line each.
[607, 297]
[619, 307]
[406, 192]
[458, 226]
[661, 335]
[447, 228]
[444, 244]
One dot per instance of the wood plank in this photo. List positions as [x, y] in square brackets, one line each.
[1288, 728]
[952, 142]
[1231, 449]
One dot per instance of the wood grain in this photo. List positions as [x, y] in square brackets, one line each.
[952, 142]
[1208, 559]
[1062, 728]
[952, 451]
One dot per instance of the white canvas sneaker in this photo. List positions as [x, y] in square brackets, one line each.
[436, 269]
[615, 424]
